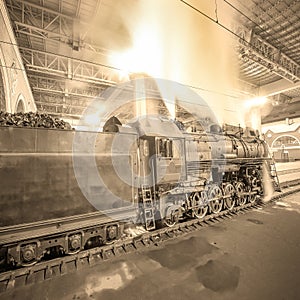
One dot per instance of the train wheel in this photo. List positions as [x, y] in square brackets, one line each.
[74, 243]
[229, 196]
[200, 201]
[28, 255]
[111, 234]
[172, 217]
[241, 193]
[251, 197]
[216, 199]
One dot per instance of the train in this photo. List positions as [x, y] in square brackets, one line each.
[63, 191]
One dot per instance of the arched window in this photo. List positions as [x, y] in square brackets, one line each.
[20, 107]
[285, 141]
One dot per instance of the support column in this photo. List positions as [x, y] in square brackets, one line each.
[14, 77]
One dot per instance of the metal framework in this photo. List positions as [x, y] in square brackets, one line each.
[60, 105]
[258, 50]
[71, 68]
[44, 28]
[63, 97]
[61, 85]
[47, 24]
[44, 23]
[66, 88]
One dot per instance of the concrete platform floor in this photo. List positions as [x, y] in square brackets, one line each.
[282, 166]
[288, 171]
[253, 256]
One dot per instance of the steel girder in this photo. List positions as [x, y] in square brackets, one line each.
[258, 50]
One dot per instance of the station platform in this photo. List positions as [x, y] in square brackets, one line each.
[288, 171]
[255, 255]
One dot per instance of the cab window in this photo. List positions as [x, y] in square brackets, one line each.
[165, 147]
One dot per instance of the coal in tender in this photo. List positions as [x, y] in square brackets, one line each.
[31, 119]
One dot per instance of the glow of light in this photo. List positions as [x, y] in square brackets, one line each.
[144, 56]
[254, 102]
[92, 119]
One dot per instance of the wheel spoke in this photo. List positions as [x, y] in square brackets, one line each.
[240, 191]
[229, 193]
[199, 203]
[216, 205]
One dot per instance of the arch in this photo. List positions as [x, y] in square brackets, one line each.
[288, 140]
[5, 82]
[20, 105]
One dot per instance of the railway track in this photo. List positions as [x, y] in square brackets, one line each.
[45, 270]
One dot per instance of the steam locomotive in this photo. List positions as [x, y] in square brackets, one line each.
[66, 190]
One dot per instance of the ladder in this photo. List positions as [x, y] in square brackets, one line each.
[274, 176]
[148, 207]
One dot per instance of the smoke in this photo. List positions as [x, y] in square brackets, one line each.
[109, 28]
[267, 184]
[170, 40]
[254, 110]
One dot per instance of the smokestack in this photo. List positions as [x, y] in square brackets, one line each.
[145, 104]
[140, 97]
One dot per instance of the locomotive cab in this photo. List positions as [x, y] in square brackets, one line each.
[161, 149]
[168, 161]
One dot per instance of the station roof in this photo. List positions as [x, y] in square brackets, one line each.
[58, 40]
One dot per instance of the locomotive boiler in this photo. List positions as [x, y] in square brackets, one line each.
[192, 174]
[64, 190]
